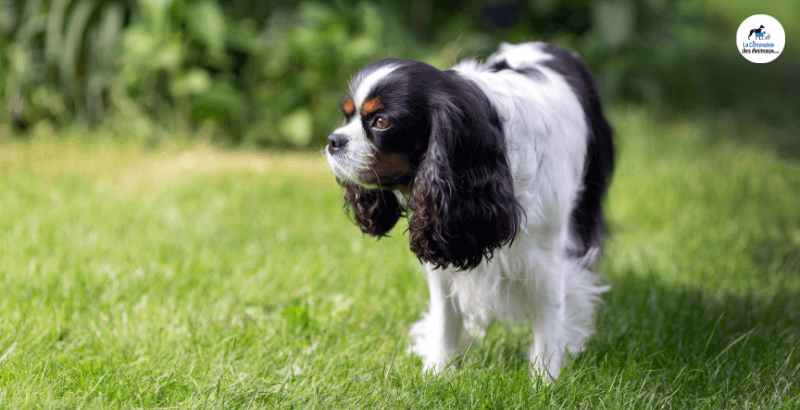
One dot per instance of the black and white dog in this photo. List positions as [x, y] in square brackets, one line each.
[501, 168]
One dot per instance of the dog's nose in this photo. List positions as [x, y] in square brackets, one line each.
[336, 143]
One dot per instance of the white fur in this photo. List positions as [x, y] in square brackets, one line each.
[359, 151]
[534, 278]
[363, 84]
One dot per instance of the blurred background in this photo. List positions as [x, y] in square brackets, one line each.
[255, 73]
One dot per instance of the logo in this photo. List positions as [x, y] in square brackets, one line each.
[760, 38]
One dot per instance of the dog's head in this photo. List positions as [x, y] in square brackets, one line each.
[435, 138]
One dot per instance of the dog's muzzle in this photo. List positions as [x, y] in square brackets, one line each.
[337, 143]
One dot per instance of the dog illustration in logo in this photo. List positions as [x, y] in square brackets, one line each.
[759, 33]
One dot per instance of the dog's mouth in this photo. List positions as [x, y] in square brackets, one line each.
[353, 165]
[347, 172]
[341, 168]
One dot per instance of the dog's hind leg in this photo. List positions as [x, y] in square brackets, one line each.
[563, 317]
[548, 346]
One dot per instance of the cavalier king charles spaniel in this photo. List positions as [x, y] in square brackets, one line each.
[501, 168]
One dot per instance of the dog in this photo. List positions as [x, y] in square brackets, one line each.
[501, 168]
[757, 31]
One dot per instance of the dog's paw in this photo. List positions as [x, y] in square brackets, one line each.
[546, 365]
[429, 346]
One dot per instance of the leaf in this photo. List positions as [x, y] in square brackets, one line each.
[207, 23]
[297, 127]
[614, 22]
[543, 7]
[73, 37]
[194, 82]
[296, 316]
[31, 27]
[54, 33]
[156, 15]
[111, 20]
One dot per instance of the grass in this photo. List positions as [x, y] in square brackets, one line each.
[192, 277]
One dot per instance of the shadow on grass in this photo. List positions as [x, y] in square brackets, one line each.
[696, 342]
[659, 344]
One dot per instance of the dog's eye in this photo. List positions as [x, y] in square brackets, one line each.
[380, 123]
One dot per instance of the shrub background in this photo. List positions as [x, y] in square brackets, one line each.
[271, 73]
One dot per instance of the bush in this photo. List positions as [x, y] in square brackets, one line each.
[273, 73]
[184, 65]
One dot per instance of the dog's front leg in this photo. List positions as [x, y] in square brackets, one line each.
[436, 336]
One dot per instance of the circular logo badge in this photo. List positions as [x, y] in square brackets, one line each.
[760, 38]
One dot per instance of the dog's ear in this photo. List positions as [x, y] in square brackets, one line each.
[462, 196]
[374, 211]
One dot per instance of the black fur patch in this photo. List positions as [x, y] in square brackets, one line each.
[587, 218]
[375, 211]
[462, 197]
[528, 71]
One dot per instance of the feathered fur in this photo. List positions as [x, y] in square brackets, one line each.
[375, 211]
[502, 167]
[462, 195]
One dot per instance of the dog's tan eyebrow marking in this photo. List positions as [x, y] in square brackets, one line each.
[370, 106]
[348, 107]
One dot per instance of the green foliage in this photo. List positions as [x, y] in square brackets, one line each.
[183, 63]
[308, 56]
[273, 73]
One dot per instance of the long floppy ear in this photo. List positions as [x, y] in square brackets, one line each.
[462, 196]
[374, 211]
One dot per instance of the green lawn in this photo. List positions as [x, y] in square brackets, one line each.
[189, 276]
